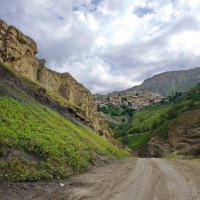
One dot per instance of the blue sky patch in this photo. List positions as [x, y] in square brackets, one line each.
[90, 7]
[142, 11]
[96, 2]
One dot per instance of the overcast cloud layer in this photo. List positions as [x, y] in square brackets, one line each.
[110, 45]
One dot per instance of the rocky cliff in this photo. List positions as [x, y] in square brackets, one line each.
[19, 51]
[168, 83]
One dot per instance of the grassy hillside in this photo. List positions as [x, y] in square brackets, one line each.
[116, 115]
[39, 138]
[36, 142]
[135, 140]
[119, 118]
[157, 119]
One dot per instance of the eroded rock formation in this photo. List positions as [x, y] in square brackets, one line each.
[19, 51]
[183, 137]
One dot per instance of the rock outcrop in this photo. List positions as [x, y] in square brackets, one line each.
[19, 51]
[183, 137]
[158, 147]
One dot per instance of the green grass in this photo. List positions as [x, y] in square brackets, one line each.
[156, 119]
[139, 140]
[135, 140]
[174, 155]
[144, 118]
[45, 144]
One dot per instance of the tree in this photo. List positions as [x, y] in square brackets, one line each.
[123, 120]
[172, 114]
[154, 125]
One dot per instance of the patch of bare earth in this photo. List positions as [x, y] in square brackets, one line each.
[127, 179]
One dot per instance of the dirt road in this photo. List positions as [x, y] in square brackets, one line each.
[127, 179]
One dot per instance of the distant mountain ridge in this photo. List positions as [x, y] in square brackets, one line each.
[169, 82]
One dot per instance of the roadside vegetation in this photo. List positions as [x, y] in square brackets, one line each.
[121, 117]
[174, 155]
[38, 143]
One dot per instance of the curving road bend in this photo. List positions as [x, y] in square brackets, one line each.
[127, 179]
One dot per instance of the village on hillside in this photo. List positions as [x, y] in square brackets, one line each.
[135, 100]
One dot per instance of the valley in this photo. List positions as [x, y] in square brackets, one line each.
[170, 126]
[58, 141]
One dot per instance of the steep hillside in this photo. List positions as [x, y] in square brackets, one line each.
[46, 125]
[168, 83]
[37, 143]
[20, 51]
[39, 137]
[172, 127]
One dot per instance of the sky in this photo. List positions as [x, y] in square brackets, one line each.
[110, 45]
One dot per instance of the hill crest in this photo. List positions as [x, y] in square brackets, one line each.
[169, 82]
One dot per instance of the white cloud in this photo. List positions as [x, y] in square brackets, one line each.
[100, 75]
[186, 42]
[110, 45]
[93, 24]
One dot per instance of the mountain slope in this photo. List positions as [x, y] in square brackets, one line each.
[36, 143]
[39, 138]
[45, 132]
[172, 127]
[168, 83]
[19, 51]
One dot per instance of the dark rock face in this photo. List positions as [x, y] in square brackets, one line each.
[169, 82]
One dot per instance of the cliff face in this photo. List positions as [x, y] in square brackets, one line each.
[169, 82]
[19, 51]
